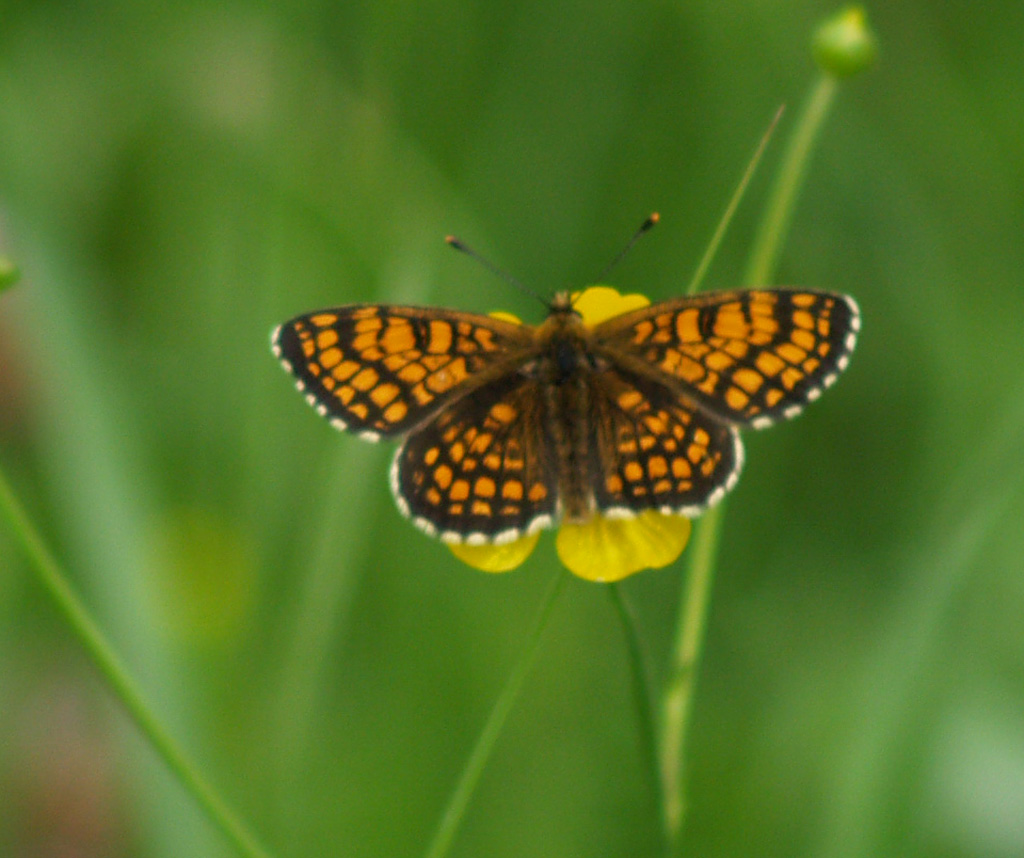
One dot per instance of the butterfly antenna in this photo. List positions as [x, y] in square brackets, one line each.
[644, 227]
[459, 245]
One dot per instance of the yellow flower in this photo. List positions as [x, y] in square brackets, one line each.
[602, 548]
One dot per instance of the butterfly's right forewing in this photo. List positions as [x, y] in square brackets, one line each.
[381, 370]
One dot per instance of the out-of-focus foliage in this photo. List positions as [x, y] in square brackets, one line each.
[175, 179]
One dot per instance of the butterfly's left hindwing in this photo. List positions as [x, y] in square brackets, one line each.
[380, 370]
[653, 450]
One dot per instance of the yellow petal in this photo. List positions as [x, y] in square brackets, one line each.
[505, 317]
[598, 303]
[496, 558]
[607, 549]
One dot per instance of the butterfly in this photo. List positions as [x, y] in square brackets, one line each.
[508, 428]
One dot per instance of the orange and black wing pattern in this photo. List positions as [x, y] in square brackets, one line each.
[748, 358]
[653, 450]
[483, 469]
[381, 370]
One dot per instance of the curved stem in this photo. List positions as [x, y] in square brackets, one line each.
[677, 701]
[771, 233]
[471, 772]
[641, 687]
[113, 671]
[730, 209]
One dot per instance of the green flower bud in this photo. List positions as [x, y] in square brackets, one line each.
[844, 45]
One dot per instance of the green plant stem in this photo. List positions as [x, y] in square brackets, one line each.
[471, 772]
[641, 686]
[55, 583]
[677, 701]
[730, 209]
[771, 234]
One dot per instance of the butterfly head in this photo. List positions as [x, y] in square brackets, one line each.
[562, 305]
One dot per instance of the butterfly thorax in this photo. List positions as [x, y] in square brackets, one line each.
[562, 345]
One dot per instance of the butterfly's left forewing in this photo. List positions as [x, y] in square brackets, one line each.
[381, 370]
[745, 357]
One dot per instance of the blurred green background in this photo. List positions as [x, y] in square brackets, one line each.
[175, 179]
